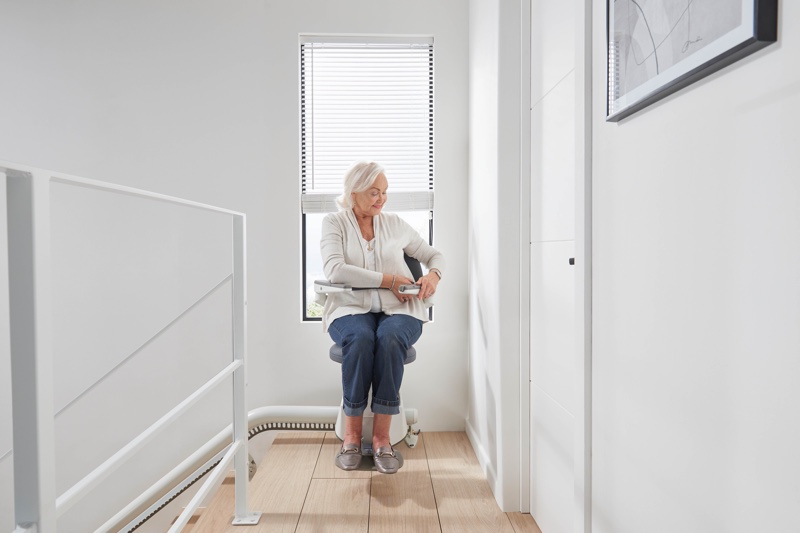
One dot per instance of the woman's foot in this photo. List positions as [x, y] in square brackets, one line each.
[349, 457]
[387, 460]
[381, 424]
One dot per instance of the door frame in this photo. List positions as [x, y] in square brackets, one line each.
[583, 264]
[525, 259]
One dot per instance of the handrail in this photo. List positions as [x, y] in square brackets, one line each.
[90, 481]
[130, 191]
[37, 505]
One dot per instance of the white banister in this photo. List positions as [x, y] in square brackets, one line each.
[36, 504]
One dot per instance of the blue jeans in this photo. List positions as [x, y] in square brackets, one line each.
[374, 349]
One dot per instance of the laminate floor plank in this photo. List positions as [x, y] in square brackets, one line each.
[404, 502]
[219, 512]
[336, 506]
[463, 496]
[523, 523]
[278, 490]
[284, 477]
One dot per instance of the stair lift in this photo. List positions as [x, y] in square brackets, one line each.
[400, 429]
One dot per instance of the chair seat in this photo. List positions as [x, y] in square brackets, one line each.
[336, 354]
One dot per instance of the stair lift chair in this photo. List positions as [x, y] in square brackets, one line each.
[401, 427]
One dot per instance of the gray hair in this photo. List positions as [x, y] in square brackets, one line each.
[359, 178]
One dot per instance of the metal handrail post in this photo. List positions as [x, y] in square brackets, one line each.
[240, 428]
[28, 208]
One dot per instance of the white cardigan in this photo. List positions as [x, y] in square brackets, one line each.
[344, 259]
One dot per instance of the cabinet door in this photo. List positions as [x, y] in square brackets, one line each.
[552, 385]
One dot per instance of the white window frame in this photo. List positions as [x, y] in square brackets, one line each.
[402, 143]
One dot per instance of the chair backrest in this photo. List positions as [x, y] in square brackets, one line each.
[414, 266]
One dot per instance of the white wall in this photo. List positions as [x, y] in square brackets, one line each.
[697, 301]
[494, 246]
[200, 100]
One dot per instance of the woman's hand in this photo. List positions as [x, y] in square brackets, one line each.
[427, 285]
[398, 281]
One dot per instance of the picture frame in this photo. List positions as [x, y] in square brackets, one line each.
[657, 47]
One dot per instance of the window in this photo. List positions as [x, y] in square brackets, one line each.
[367, 98]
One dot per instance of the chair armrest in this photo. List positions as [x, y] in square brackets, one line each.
[326, 287]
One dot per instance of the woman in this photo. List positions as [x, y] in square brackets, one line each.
[363, 247]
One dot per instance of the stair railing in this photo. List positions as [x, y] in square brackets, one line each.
[36, 504]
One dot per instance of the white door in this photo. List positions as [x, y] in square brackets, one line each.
[552, 284]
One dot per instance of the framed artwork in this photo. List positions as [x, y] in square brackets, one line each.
[657, 47]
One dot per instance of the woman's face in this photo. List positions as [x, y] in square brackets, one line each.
[371, 201]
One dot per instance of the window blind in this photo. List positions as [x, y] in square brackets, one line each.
[369, 99]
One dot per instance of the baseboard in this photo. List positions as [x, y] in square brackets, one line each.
[486, 464]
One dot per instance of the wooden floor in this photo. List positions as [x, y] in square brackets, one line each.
[441, 488]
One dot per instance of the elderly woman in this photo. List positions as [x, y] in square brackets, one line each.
[363, 247]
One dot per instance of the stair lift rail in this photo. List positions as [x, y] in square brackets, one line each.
[207, 458]
[36, 504]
